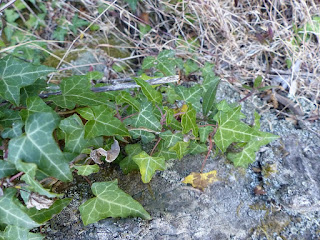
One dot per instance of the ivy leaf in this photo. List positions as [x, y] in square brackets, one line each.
[132, 4]
[127, 164]
[201, 180]
[110, 201]
[29, 170]
[191, 95]
[146, 137]
[153, 95]
[9, 117]
[148, 165]
[145, 118]
[86, 170]
[172, 95]
[101, 122]
[196, 148]
[18, 233]
[170, 138]
[77, 23]
[15, 131]
[38, 146]
[208, 75]
[231, 129]
[204, 133]
[190, 66]
[77, 90]
[11, 212]
[6, 169]
[36, 104]
[16, 74]
[32, 90]
[162, 151]
[248, 154]
[209, 96]
[180, 148]
[45, 215]
[188, 121]
[148, 62]
[74, 134]
[125, 97]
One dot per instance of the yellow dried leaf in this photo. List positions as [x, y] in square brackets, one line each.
[201, 180]
[184, 108]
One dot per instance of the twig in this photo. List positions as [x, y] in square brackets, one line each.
[122, 86]
[155, 146]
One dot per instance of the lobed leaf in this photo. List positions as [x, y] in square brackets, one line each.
[16, 74]
[148, 165]
[153, 95]
[12, 214]
[74, 135]
[127, 164]
[110, 201]
[188, 121]
[101, 122]
[86, 170]
[38, 146]
[180, 148]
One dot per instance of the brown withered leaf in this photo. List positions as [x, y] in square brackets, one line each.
[201, 180]
[110, 155]
[39, 201]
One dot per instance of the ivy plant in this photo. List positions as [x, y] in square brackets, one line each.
[53, 136]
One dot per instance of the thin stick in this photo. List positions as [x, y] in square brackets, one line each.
[155, 146]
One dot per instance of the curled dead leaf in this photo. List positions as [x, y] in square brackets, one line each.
[39, 201]
[201, 180]
[110, 155]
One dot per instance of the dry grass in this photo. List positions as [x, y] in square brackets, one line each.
[244, 41]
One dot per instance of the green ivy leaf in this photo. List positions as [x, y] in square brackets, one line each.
[38, 146]
[36, 104]
[132, 4]
[162, 151]
[146, 137]
[145, 118]
[101, 122]
[148, 62]
[125, 97]
[77, 90]
[171, 138]
[74, 135]
[127, 164]
[209, 96]
[231, 129]
[248, 153]
[188, 121]
[9, 116]
[165, 62]
[191, 95]
[6, 169]
[190, 66]
[172, 95]
[86, 170]
[77, 23]
[110, 201]
[148, 165]
[18, 233]
[44, 215]
[196, 148]
[204, 133]
[15, 131]
[208, 74]
[153, 95]
[11, 212]
[16, 74]
[32, 90]
[29, 170]
[180, 148]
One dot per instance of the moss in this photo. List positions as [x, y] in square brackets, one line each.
[52, 61]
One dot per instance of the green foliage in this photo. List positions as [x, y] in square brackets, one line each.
[51, 139]
[110, 201]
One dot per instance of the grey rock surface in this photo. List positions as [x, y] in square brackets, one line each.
[275, 198]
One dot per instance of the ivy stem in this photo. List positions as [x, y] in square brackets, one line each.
[209, 150]
[16, 176]
[131, 115]
[155, 146]
[178, 114]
